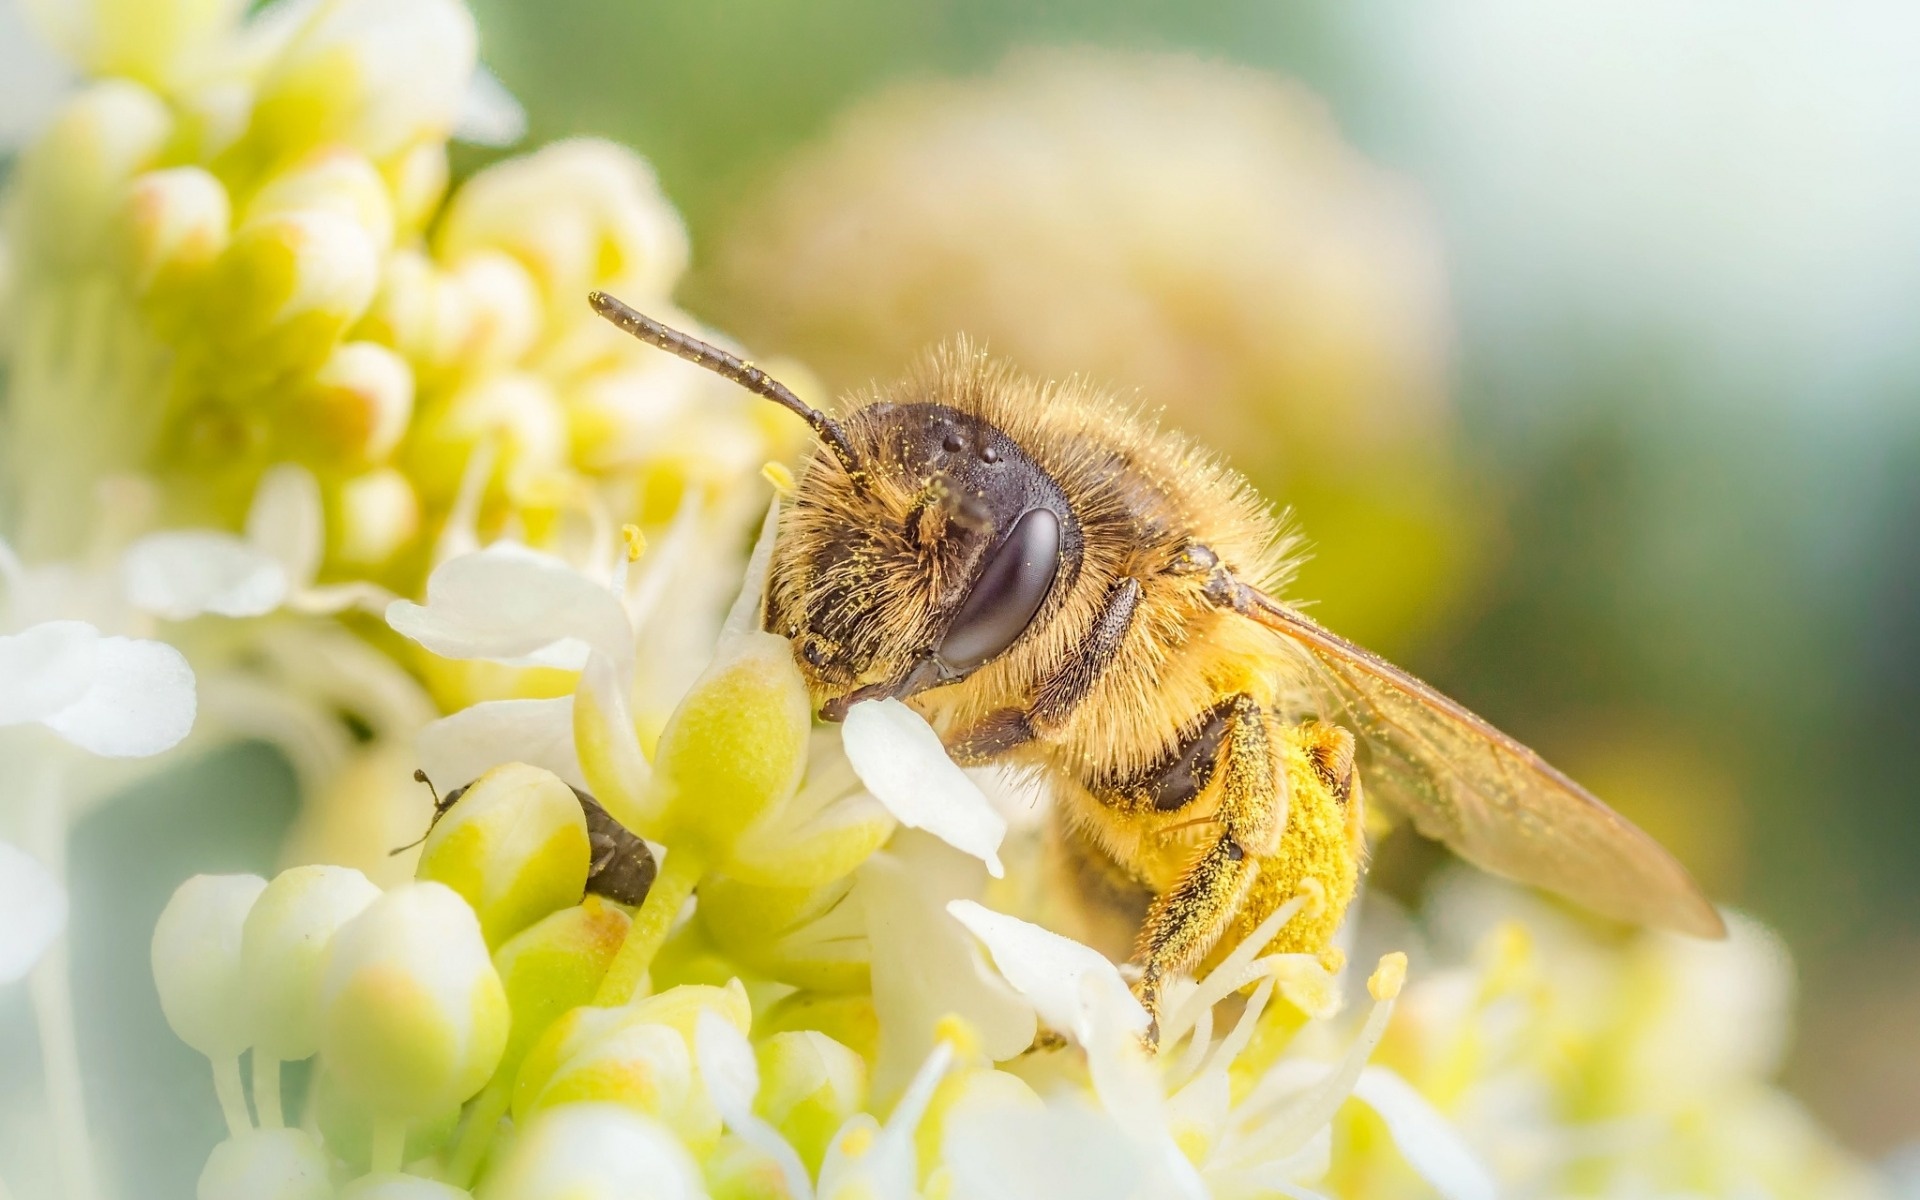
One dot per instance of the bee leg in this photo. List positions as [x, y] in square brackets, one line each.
[1060, 693]
[1185, 921]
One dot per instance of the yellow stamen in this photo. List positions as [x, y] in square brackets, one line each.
[635, 540]
[779, 476]
[1388, 977]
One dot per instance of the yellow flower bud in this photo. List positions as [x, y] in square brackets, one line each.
[809, 1086]
[504, 304]
[579, 214]
[412, 1016]
[515, 847]
[516, 412]
[197, 961]
[157, 42]
[734, 748]
[283, 948]
[373, 516]
[554, 967]
[640, 1055]
[595, 1152]
[178, 221]
[846, 1018]
[335, 179]
[354, 410]
[377, 74]
[73, 181]
[266, 1164]
[283, 292]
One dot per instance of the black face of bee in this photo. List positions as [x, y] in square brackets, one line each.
[987, 512]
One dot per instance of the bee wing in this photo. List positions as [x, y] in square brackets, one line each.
[1498, 804]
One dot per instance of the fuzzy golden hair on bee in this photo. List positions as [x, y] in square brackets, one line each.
[1057, 583]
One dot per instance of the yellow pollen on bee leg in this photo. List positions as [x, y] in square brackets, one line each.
[1389, 977]
[779, 476]
[636, 542]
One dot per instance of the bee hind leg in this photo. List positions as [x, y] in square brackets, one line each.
[1185, 921]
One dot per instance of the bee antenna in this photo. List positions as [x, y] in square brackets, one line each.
[748, 376]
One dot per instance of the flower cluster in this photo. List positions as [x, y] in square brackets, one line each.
[822, 1022]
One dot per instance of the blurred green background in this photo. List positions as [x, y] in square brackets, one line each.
[1683, 287]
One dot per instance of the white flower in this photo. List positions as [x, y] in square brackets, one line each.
[119, 697]
[184, 573]
[1175, 1123]
[900, 759]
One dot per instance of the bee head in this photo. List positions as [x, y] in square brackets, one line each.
[923, 541]
[924, 568]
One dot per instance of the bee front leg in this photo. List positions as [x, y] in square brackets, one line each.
[1185, 921]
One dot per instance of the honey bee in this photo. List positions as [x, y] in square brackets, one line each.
[1055, 583]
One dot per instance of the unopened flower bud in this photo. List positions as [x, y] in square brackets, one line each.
[278, 299]
[378, 74]
[505, 306]
[283, 948]
[580, 214]
[515, 847]
[71, 183]
[266, 1164]
[809, 1086]
[639, 1055]
[197, 962]
[516, 412]
[555, 966]
[412, 1015]
[735, 747]
[335, 179]
[178, 221]
[355, 409]
[595, 1152]
[847, 1018]
[373, 516]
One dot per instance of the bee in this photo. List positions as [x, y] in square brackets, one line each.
[1055, 583]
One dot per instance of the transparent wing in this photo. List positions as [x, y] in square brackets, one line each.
[1498, 804]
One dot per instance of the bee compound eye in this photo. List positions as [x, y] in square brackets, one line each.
[1007, 594]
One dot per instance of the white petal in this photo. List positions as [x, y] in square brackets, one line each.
[900, 759]
[184, 573]
[1426, 1139]
[33, 910]
[285, 522]
[45, 668]
[489, 114]
[1052, 972]
[732, 1077]
[141, 701]
[744, 616]
[455, 750]
[510, 604]
[925, 966]
[593, 1151]
[1065, 1150]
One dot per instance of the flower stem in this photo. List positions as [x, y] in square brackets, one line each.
[483, 1121]
[266, 1090]
[51, 991]
[232, 1094]
[678, 874]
